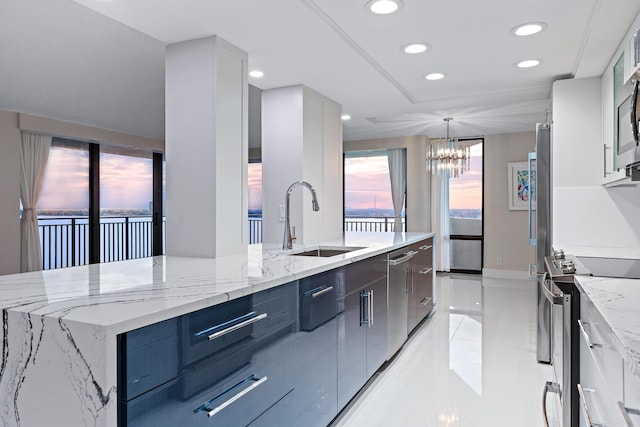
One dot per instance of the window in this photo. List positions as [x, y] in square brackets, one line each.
[465, 213]
[368, 205]
[126, 203]
[255, 202]
[125, 182]
[63, 207]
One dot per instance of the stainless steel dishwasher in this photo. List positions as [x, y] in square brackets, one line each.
[398, 273]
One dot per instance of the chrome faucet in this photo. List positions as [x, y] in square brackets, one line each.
[287, 242]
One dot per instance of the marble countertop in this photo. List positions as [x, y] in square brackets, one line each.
[126, 295]
[618, 301]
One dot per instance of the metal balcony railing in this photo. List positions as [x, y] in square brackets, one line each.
[376, 224]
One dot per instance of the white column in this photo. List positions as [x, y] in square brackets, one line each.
[301, 140]
[206, 148]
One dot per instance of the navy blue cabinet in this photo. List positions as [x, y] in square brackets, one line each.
[224, 365]
[362, 325]
[420, 286]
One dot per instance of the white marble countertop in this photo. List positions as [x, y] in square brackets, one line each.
[618, 301]
[126, 295]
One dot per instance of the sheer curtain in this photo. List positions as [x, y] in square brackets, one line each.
[440, 219]
[33, 163]
[397, 158]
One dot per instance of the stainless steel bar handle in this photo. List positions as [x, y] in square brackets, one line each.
[406, 257]
[237, 396]
[425, 247]
[371, 308]
[625, 413]
[586, 337]
[425, 301]
[605, 160]
[585, 406]
[555, 299]
[237, 326]
[425, 270]
[548, 387]
[322, 292]
[532, 239]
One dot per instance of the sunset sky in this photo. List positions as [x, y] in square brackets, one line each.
[126, 182]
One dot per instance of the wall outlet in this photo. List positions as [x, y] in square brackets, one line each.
[499, 261]
[281, 213]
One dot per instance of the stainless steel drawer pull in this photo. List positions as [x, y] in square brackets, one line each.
[405, 257]
[548, 387]
[555, 299]
[625, 413]
[425, 270]
[585, 406]
[237, 326]
[425, 247]
[371, 308]
[426, 301]
[322, 292]
[252, 378]
[583, 331]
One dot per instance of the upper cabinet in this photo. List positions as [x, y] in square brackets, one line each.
[632, 51]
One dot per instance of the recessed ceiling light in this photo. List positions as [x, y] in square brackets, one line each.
[528, 63]
[345, 117]
[384, 7]
[528, 29]
[416, 48]
[256, 74]
[434, 76]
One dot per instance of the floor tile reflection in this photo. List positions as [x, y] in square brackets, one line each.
[472, 364]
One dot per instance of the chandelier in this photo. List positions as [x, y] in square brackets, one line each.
[448, 156]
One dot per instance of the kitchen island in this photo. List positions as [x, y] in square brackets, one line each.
[61, 327]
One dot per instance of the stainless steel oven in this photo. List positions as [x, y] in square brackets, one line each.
[559, 289]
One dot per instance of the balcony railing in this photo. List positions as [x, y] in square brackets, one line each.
[64, 242]
[372, 224]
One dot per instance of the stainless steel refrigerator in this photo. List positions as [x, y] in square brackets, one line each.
[540, 230]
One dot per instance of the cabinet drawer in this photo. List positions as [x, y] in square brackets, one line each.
[424, 253]
[598, 406]
[597, 338]
[318, 296]
[233, 389]
[280, 305]
[363, 272]
[158, 353]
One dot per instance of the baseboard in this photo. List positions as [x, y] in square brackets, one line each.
[506, 274]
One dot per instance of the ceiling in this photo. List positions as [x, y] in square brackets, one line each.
[103, 64]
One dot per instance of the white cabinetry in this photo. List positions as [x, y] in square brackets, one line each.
[601, 370]
[631, 60]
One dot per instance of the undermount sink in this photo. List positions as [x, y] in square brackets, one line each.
[327, 251]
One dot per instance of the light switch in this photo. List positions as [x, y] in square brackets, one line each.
[281, 213]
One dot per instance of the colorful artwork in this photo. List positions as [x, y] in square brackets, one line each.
[521, 186]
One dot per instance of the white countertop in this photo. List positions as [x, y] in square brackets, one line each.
[126, 295]
[618, 301]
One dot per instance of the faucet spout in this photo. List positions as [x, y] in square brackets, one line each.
[287, 241]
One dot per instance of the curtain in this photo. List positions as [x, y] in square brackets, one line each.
[33, 163]
[440, 219]
[397, 158]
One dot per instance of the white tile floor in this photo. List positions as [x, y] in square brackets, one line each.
[472, 364]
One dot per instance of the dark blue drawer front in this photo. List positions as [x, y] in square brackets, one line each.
[243, 384]
[160, 352]
[363, 272]
[318, 299]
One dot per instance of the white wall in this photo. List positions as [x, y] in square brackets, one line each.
[418, 180]
[584, 212]
[301, 140]
[206, 148]
[505, 231]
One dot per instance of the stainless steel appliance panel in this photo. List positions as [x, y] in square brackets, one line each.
[399, 276]
[540, 174]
